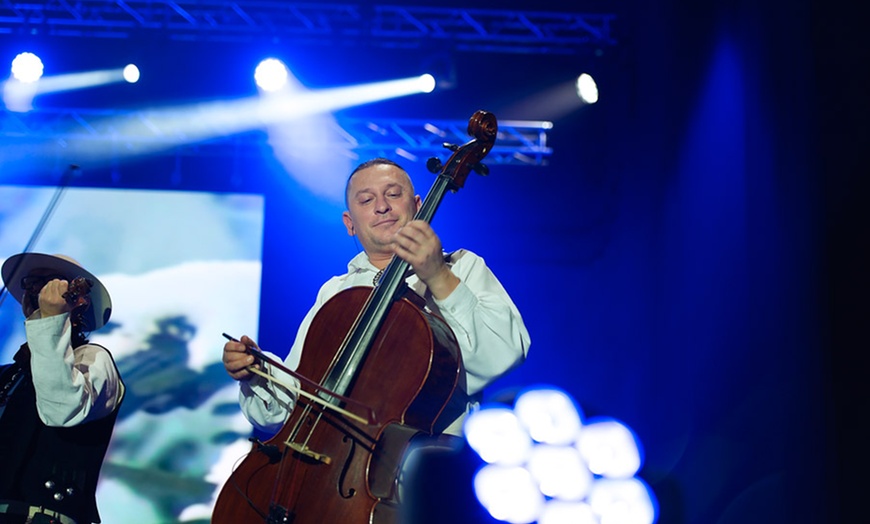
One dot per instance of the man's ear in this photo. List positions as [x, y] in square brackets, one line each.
[348, 223]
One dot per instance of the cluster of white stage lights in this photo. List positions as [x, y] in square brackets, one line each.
[545, 464]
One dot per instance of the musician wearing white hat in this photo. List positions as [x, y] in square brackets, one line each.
[59, 399]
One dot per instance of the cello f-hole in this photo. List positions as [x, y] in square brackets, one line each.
[349, 492]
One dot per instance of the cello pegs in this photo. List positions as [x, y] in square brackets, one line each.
[480, 168]
[452, 147]
[434, 165]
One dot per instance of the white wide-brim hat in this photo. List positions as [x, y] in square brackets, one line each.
[19, 266]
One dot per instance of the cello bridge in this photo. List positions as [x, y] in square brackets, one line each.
[304, 450]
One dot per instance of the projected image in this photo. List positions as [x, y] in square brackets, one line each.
[181, 268]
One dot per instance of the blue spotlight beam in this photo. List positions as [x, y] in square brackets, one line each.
[518, 143]
[487, 30]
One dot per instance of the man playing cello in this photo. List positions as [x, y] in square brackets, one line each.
[460, 288]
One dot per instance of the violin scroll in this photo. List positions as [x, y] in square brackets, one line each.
[78, 293]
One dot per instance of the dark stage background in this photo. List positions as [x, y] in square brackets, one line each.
[691, 260]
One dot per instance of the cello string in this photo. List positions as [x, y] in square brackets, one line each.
[294, 433]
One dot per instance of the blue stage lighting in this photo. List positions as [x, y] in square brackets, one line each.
[497, 435]
[587, 89]
[271, 75]
[131, 73]
[27, 68]
[545, 464]
[427, 83]
[509, 493]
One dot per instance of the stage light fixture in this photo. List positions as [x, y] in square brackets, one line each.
[271, 75]
[587, 89]
[551, 416]
[23, 82]
[559, 472]
[561, 512]
[27, 68]
[509, 493]
[427, 83]
[131, 73]
[498, 436]
[610, 449]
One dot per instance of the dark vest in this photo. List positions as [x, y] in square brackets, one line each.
[57, 468]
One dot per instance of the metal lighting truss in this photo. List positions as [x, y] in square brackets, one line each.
[501, 30]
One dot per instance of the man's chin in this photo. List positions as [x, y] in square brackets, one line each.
[379, 245]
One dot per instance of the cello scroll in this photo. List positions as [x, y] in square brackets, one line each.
[483, 126]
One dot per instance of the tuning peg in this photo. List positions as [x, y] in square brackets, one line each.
[480, 168]
[452, 147]
[434, 165]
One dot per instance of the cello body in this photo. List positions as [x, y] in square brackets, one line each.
[348, 472]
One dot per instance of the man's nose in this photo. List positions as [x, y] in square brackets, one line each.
[383, 205]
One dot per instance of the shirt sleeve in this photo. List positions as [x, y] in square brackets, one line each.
[267, 403]
[73, 386]
[492, 336]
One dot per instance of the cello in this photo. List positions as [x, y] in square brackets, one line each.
[377, 370]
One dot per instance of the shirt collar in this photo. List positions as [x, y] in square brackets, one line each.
[360, 263]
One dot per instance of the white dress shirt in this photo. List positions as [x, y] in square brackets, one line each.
[489, 329]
